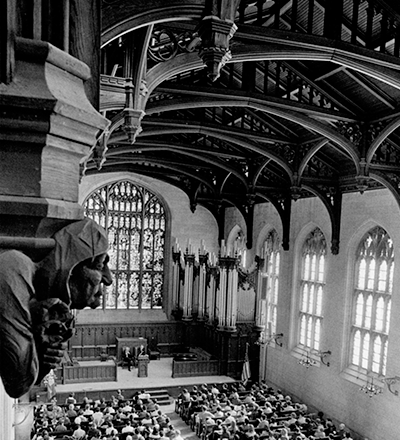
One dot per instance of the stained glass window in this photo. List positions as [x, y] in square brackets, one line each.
[134, 219]
[312, 290]
[372, 302]
[271, 271]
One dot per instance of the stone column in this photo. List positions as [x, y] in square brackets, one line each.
[47, 126]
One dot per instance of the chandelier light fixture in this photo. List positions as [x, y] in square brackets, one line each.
[307, 361]
[370, 388]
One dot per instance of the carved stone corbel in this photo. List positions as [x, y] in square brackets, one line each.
[215, 34]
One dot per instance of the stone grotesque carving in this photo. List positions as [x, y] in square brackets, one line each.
[36, 299]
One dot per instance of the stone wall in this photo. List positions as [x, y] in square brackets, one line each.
[331, 389]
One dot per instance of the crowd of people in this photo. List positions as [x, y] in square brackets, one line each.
[214, 412]
[136, 418]
[232, 412]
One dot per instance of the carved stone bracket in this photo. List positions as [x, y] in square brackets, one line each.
[284, 208]
[390, 180]
[389, 381]
[132, 117]
[214, 51]
[249, 218]
[332, 199]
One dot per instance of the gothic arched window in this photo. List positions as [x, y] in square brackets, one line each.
[134, 219]
[271, 254]
[312, 290]
[372, 301]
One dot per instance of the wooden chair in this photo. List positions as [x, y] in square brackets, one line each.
[153, 351]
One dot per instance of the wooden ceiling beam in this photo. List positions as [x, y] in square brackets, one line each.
[318, 87]
[204, 161]
[370, 87]
[330, 72]
[278, 128]
[170, 123]
[142, 143]
[239, 95]
[341, 100]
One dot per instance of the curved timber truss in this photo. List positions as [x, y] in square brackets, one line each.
[243, 102]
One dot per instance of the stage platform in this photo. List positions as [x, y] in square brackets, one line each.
[159, 376]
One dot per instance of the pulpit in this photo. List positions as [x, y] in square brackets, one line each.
[143, 363]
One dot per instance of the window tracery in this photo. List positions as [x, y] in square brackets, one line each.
[134, 219]
[272, 255]
[372, 302]
[312, 290]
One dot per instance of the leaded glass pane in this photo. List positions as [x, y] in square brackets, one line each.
[375, 260]
[158, 291]
[272, 257]
[390, 287]
[356, 348]
[368, 312]
[277, 261]
[321, 269]
[135, 222]
[147, 284]
[318, 308]
[275, 293]
[311, 300]
[359, 310]
[365, 351]
[134, 290]
[387, 320]
[121, 283]
[317, 334]
[382, 276]
[304, 301]
[313, 267]
[380, 314]
[384, 358]
[376, 355]
[273, 321]
[309, 331]
[303, 330]
[306, 273]
[110, 297]
[371, 274]
[312, 288]
[361, 274]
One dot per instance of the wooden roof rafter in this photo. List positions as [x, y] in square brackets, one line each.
[154, 125]
[300, 119]
[210, 161]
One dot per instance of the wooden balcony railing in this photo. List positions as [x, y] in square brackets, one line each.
[369, 23]
[195, 368]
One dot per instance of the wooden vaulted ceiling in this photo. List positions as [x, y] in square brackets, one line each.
[242, 102]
